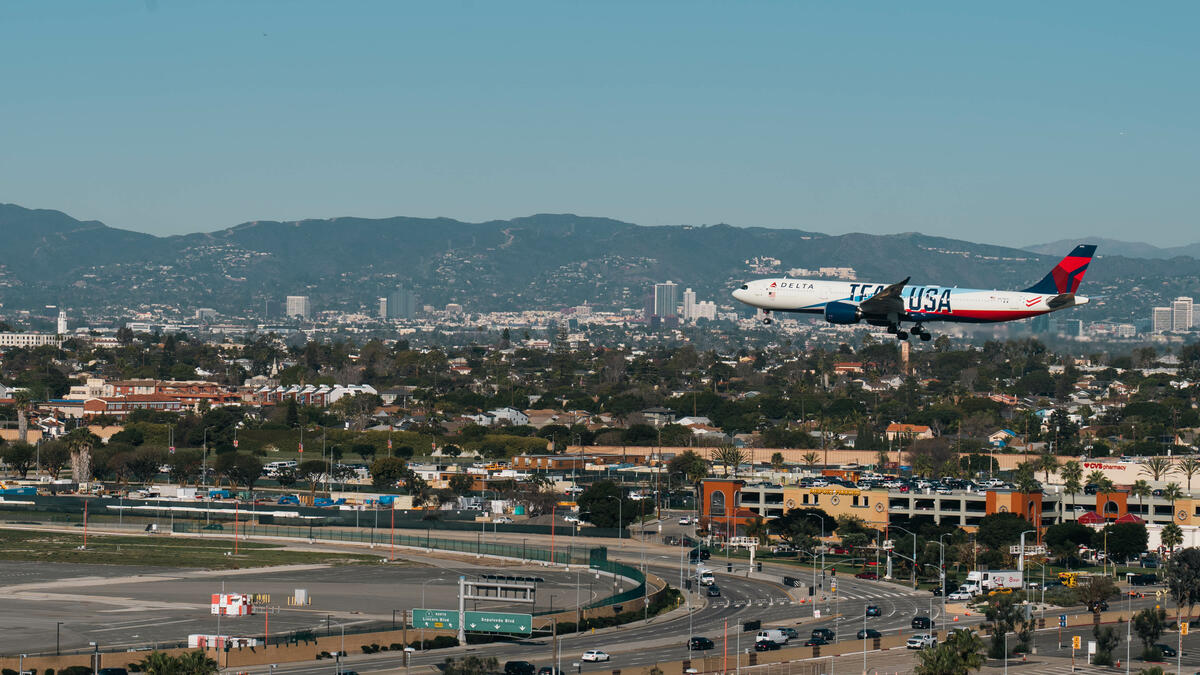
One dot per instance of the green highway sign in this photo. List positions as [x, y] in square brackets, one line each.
[436, 618]
[499, 622]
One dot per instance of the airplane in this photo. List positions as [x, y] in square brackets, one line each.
[844, 302]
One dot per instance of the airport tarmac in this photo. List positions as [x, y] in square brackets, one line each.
[72, 605]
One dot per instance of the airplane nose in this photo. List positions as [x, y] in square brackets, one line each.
[739, 294]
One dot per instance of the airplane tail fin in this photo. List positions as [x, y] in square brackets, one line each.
[1067, 274]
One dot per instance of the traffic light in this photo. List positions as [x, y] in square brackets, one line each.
[833, 571]
[1076, 641]
[1183, 628]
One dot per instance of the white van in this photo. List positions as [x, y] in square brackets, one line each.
[773, 634]
[706, 578]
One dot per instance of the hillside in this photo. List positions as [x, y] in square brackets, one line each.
[544, 261]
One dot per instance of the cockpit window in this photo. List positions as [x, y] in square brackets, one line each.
[745, 287]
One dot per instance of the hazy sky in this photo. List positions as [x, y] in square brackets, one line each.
[1012, 123]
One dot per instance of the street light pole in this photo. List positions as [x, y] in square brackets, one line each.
[913, 566]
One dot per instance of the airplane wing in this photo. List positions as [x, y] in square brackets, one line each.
[885, 302]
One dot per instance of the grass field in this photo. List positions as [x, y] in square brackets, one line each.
[159, 551]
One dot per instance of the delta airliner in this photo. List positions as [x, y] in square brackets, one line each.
[843, 302]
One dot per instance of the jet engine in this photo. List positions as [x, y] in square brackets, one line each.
[842, 312]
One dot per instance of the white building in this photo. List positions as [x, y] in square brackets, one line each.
[689, 305]
[1181, 314]
[1161, 319]
[298, 306]
[62, 322]
[29, 339]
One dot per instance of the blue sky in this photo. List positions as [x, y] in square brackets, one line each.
[1012, 123]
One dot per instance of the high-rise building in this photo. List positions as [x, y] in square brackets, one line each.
[298, 306]
[666, 300]
[1160, 319]
[689, 305]
[62, 322]
[402, 304]
[383, 308]
[1181, 314]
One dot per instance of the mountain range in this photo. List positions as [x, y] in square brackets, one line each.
[544, 261]
[1131, 249]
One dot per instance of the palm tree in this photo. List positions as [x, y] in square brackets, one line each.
[1188, 466]
[1096, 477]
[1141, 490]
[1172, 493]
[811, 459]
[1171, 536]
[23, 400]
[1047, 462]
[1072, 475]
[758, 529]
[1156, 467]
[777, 461]
[80, 442]
[731, 457]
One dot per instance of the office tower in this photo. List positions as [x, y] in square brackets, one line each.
[383, 308]
[298, 306]
[1181, 314]
[1161, 320]
[666, 300]
[1041, 323]
[402, 304]
[689, 305]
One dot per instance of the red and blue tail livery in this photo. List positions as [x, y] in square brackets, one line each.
[892, 305]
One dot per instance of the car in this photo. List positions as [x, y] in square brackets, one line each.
[816, 642]
[213, 526]
[1166, 650]
[684, 520]
[782, 548]
[1101, 606]
[959, 595]
[765, 645]
[700, 643]
[943, 490]
[921, 641]
[502, 519]
[699, 554]
[547, 670]
[922, 622]
[841, 550]
[571, 518]
[873, 610]
[714, 591]
[595, 655]
[868, 633]
[519, 668]
[937, 592]
[873, 576]
[903, 488]
[790, 633]
[823, 633]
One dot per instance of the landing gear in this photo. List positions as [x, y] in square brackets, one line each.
[766, 317]
[901, 335]
[920, 330]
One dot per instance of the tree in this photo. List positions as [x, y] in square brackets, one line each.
[292, 414]
[1149, 625]
[998, 530]
[311, 471]
[607, 506]
[80, 442]
[1140, 489]
[777, 461]
[688, 464]
[1096, 591]
[286, 477]
[188, 663]
[357, 409]
[243, 469]
[23, 400]
[1007, 613]
[129, 435]
[55, 456]
[1106, 641]
[386, 472]
[461, 483]
[1188, 466]
[1172, 493]
[960, 654]
[19, 457]
[801, 527]
[184, 465]
[759, 530]
[1171, 536]
[1183, 578]
[1047, 462]
[811, 459]
[1156, 467]
[1064, 539]
[1123, 540]
[731, 457]
[1025, 478]
[1072, 477]
[145, 463]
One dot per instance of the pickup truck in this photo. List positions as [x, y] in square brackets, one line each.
[921, 641]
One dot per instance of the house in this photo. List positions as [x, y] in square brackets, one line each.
[848, 368]
[509, 416]
[1001, 438]
[907, 431]
[658, 416]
